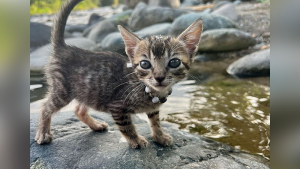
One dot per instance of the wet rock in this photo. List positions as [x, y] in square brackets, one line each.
[95, 18]
[40, 34]
[144, 16]
[75, 146]
[219, 3]
[188, 3]
[132, 3]
[221, 40]
[166, 3]
[98, 32]
[114, 41]
[227, 10]
[255, 64]
[76, 28]
[39, 57]
[210, 21]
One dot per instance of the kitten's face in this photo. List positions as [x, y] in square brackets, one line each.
[161, 61]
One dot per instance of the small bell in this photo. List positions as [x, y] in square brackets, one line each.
[147, 89]
[155, 99]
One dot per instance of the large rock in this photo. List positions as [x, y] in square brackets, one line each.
[166, 3]
[210, 21]
[143, 16]
[221, 40]
[227, 10]
[114, 41]
[103, 28]
[255, 64]
[132, 3]
[187, 3]
[39, 57]
[40, 34]
[76, 146]
[76, 28]
[95, 18]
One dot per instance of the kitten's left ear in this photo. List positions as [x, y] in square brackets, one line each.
[191, 37]
[130, 41]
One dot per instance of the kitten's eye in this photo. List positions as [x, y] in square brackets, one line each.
[174, 63]
[145, 64]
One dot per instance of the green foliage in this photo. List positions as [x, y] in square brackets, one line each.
[52, 6]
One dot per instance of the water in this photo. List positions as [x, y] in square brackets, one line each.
[218, 106]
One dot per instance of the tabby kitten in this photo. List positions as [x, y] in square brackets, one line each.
[105, 81]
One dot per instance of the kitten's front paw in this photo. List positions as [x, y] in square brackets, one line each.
[99, 126]
[43, 138]
[140, 142]
[164, 140]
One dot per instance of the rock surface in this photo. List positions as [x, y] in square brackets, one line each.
[76, 146]
[39, 57]
[221, 40]
[210, 21]
[166, 3]
[187, 3]
[143, 16]
[103, 28]
[255, 64]
[114, 41]
[227, 10]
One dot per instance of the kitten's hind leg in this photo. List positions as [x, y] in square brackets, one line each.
[82, 113]
[52, 105]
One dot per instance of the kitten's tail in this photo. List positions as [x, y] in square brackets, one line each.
[58, 29]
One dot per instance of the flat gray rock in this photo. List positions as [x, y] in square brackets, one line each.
[227, 10]
[39, 57]
[210, 21]
[76, 146]
[221, 40]
[165, 3]
[143, 16]
[114, 41]
[255, 64]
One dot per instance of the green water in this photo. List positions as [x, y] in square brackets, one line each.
[215, 105]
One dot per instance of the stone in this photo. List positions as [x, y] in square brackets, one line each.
[75, 145]
[220, 3]
[143, 16]
[188, 3]
[98, 32]
[254, 64]
[114, 41]
[40, 34]
[166, 3]
[210, 21]
[132, 3]
[227, 10]
[221, 40]
[76, 28]
[95, 18]
[40, 56]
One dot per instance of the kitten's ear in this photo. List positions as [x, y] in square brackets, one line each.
[130, 41]
[191, 36]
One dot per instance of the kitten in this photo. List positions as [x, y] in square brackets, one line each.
[104, 82]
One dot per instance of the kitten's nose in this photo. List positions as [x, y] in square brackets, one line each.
[159, 79]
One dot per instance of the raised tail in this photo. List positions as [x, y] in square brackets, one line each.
[58, 29]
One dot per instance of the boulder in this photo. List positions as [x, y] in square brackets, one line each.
[221, 40]
[39, 57]
[143, 16]
[219, 3]
[166, 3]
[255, 64]
[132, 3]
[76, 146]
[76, 28]
[95, 18]
[114, 41]
[210, 21]
[188, 3]
[40, 34]
[227, 10]
[103, 28]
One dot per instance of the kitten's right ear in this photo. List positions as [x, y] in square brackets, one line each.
[130, 41]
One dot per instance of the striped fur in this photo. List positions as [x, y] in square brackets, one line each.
[103, 82]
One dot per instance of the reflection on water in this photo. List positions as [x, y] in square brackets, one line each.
[228, 110]
[232, 111]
